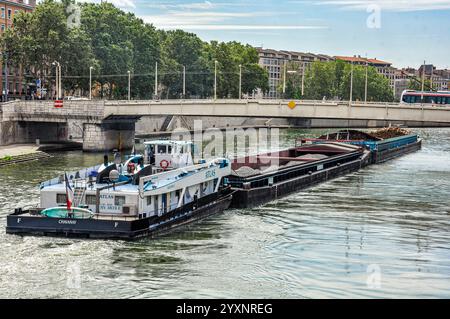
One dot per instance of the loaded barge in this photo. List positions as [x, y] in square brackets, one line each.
[385, 144]
[162, 189]
[261, 178]
[145, 196]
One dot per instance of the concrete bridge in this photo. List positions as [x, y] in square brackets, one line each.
[104, 125]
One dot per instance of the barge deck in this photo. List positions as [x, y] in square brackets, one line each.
[258, 179]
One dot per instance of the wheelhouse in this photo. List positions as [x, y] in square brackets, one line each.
[167, 154]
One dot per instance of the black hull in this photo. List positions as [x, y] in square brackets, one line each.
[18, 223]
[248, 198]
[386, 155]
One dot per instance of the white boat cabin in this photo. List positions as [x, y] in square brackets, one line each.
[169, 154]
[155, 194]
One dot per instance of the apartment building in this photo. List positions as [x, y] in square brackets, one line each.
[383, 67]
[14, 80]
[439, 78]
[275, 60]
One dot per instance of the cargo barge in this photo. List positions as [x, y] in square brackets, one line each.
[384, 144]
[262, 178]
[259, 179]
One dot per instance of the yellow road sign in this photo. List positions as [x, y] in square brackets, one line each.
[292, 105]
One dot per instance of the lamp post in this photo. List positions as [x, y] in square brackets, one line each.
[90, 82]
[351, 86]
[129, 85]
[58, 79]
[423, 81]
[303, 80]
[184, 81]
[367, 76]
[215, 79]
[156, 80]
[240, 81]
[6, 77]
[284, 78]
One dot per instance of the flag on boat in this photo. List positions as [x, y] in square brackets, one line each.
[69, 193]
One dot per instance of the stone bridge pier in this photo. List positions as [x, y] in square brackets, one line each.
[108, 135]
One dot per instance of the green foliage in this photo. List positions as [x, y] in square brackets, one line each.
[416, 84]
[41, 37]
[114, 42]
[332, 81]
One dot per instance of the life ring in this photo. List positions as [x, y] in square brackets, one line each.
[164, 164]
[131, 167]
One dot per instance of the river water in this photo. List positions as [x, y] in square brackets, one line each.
[382, 232]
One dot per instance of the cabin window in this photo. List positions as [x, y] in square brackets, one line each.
[61, 198]
[149, 200]
[91, 200]
[161, 149]
[119, 200]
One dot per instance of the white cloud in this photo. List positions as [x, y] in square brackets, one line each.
[390, 5]
[238, 27]
[123, 4]
[194, 5]
[215, 20]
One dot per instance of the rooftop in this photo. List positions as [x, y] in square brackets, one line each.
[362, 60]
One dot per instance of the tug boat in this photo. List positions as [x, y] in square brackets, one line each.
[145, 195]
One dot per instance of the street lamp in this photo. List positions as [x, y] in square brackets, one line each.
[6, 77]
[156, 80]
[351, 85]
[423, 80]
[58, 79]
[240, 81]
[90, 82]
[129, 85]
[184, 81]
[303, 79]
[367, 78]
[215, 79]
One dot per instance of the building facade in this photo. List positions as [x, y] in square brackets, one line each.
[274, 62]
[384, 68]
[13, 79]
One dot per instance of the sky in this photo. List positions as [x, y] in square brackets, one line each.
[404, 32]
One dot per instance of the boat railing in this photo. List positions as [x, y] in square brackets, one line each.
[114, 217]
[81, 174]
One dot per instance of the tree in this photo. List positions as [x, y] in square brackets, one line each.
[41, 37]
[321, 81]
[332, 81]
[416, 84]
[121, 42]
[114, 42]
[178, 49]
[229, 56]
